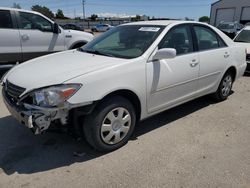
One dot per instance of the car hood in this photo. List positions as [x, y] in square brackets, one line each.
[58, 68]
[78, 33]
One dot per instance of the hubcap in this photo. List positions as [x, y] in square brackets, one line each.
[227, 85]
[115, 126]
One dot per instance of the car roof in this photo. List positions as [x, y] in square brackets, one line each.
[23, 10]
[162, 22]
[15, 9]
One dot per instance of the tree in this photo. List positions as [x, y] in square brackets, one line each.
[43, 10]
[16, 5]
[136, 18]
[93, 17]
[60, 14]
[77, 18]
[204, 19]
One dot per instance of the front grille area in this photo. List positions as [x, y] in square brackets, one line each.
[13, 90]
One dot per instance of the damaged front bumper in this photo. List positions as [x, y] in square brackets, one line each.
[36, 118]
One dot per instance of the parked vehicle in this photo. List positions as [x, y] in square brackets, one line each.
[27, 34]
[73, 27]
[230, 28]
[101, 28]
[123, 76]
[243, 38]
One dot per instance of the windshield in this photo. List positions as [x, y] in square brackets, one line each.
[226, 26]
[128, 41]
[244, 36]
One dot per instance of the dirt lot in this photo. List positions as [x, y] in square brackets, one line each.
[199, 144]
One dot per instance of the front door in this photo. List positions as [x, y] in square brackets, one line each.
[37, 37]
[10, 45]
[173, 81]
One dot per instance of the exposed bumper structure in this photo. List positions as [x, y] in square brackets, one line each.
[36, 118]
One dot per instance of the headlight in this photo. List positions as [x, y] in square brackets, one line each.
[54, 96]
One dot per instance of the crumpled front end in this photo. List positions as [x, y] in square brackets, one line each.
[34, 117]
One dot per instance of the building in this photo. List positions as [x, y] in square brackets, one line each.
[230, 11]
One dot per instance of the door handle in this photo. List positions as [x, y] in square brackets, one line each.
[226, 55]
[25, 37]
[194, 63]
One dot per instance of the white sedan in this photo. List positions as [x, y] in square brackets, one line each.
[243, 38]
[126, 75]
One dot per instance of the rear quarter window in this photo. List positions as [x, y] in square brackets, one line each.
[208, 39]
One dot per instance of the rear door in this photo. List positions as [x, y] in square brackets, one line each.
[10, 45]
[214, 56]
[37, 37]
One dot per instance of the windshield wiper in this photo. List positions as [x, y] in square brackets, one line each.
[97, 52]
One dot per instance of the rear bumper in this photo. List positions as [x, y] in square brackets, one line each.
[241, 70]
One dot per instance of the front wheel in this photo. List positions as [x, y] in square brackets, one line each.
[111, 124]
[224, 88]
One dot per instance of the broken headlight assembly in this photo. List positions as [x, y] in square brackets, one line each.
[54, 96]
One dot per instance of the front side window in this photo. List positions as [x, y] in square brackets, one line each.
[206, 38]
[34, 22]
[179, 38]
[5, 20]
[128, 41]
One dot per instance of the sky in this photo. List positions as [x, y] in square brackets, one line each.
[178, 9]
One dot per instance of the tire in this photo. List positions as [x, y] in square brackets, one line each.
[111, 124]
[224, 88]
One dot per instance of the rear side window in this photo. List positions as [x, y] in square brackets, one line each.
[34, 22]
[5, 20]
[207, 39]
[179, 38]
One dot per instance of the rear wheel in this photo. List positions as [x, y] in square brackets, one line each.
[225, 87]
[111, 124]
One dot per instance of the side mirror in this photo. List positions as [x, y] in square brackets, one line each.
[165, 53]
[56, 29]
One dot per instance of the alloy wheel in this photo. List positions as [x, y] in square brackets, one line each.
[226, 85]
[115, 126]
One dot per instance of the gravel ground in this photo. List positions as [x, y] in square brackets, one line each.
[199, 144]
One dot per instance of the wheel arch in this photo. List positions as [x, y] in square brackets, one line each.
[77, 43]
[233, 70]
[129, 95]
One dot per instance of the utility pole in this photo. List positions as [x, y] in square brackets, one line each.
[83, 9]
